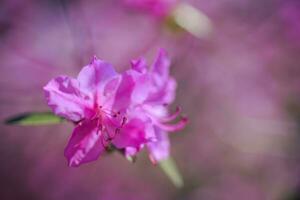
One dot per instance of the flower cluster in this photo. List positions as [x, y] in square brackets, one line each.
[126, 111]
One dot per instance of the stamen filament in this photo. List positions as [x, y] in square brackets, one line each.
[172, 116]
[172, 127]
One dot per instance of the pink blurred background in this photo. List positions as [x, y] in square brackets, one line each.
[239, 86]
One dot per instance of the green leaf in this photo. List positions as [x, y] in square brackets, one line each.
[170, 169]
[34, 119]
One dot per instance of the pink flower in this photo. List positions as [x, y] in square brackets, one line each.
[153, 91]
[126, 111]
[88, 101]
[156, 7]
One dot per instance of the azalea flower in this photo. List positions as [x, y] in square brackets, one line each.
[88, 101]
[125, 111]
[155, 89]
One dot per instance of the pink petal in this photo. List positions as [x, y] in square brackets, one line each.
[131, 135]
[94, 76]
[65, 98]
[107, 97]
[161, 67]
[85, 145]
[124, 92]
[160, 149]
[170, 91]
[142, 86]
[164, 94]
[139, 65]
[163, 86]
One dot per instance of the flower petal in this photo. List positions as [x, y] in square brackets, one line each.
[163, 86]
[124, 92]
[133, 134]
[170, 91]
[159, 149]
[65, 98]
[161, 67]
[94, 76]
[107, 96]
[164, 94]
[139, 65]
[142, 88]
[85, 145]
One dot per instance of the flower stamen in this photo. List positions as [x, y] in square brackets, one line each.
[172, 116]
[172, 127]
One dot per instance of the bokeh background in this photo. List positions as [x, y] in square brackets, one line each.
[239, 85]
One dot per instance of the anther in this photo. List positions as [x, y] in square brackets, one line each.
[124, 120]
[117, 131]
[102, 142]
[184, 118]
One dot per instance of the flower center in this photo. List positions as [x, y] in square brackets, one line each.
[109, 123]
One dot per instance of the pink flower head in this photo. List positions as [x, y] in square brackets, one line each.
[88, 101]
[153, 91]
[156, 7]
[127, 111]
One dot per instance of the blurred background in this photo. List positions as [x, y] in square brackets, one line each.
[238, 82]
